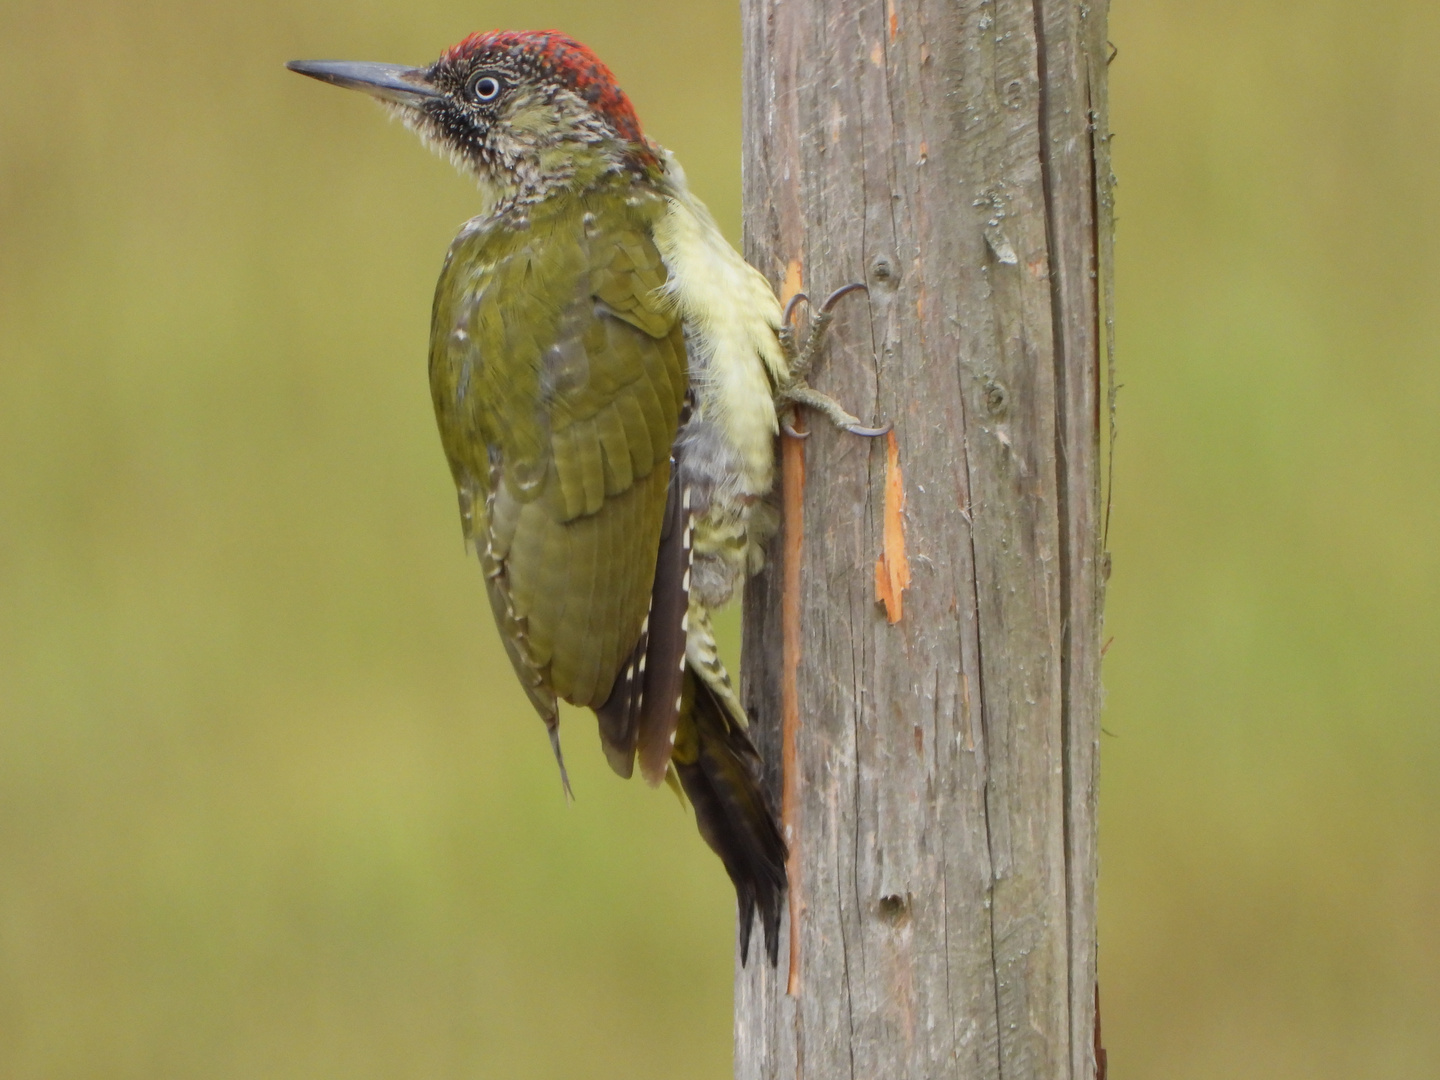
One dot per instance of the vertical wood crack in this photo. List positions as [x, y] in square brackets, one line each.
[1058, 347]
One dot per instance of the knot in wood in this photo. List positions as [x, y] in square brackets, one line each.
[997, 398]
[882, 269]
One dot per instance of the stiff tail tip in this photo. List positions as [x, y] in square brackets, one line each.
[720, 771]
[552, 728]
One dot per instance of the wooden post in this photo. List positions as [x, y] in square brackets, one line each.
[939, 750]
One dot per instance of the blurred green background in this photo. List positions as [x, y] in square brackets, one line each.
[271, 803]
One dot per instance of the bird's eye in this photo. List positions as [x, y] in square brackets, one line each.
[485, 89]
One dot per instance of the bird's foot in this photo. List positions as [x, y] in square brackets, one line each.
[797, 391]
[801, 357]
[801, 394]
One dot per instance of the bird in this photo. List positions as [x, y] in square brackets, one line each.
[608, 376]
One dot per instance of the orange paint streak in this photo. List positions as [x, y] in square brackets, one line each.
[894, 21]
[892, 569]
[792, 488]
[793, 282]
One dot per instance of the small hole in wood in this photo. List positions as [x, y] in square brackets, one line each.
[894, 909]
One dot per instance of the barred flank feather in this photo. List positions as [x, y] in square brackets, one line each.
[720, 771]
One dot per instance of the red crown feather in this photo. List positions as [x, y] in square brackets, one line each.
[564, 58]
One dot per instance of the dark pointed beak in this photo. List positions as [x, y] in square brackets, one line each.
[388, 82]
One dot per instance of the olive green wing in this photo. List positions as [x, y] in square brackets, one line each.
[558, 375]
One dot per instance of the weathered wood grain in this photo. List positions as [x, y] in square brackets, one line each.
[950, 154]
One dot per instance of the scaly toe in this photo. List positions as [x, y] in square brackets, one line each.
[798, 393]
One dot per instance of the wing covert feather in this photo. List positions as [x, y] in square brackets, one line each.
[557, 370]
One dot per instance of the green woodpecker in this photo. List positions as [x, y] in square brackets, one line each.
[606, 373]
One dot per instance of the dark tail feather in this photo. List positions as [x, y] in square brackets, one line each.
[644, 702]
[619, 716]
[720, 771]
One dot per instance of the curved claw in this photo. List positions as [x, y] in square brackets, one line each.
[790, 432]
[842, 292]
[869, 432]
[792, 304]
